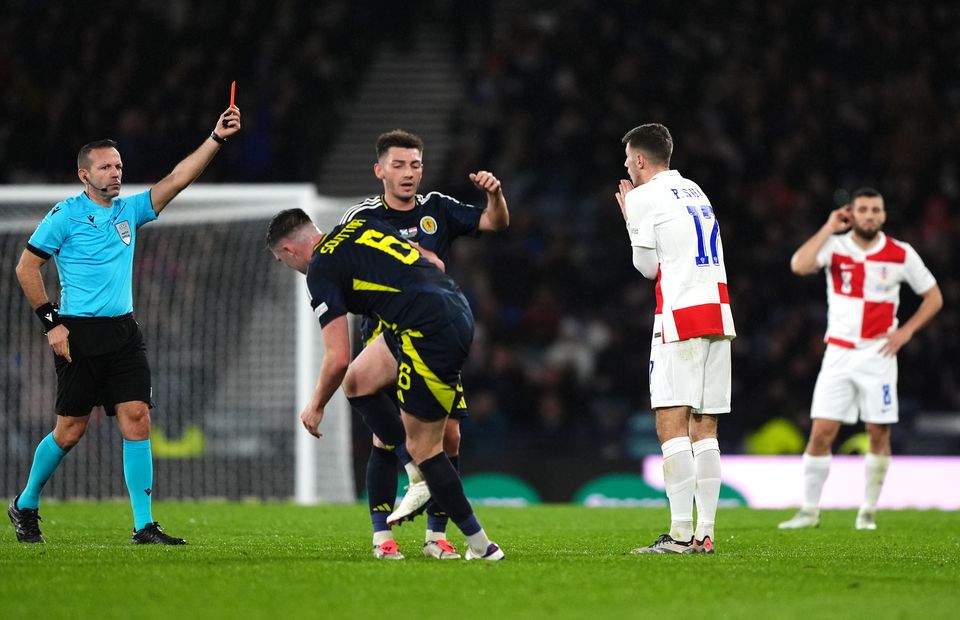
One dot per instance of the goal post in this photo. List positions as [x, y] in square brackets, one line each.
[233, 345]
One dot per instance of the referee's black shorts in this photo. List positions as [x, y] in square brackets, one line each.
[109, 365]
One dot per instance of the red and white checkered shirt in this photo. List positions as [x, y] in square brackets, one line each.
[863, 287]
[674, 216]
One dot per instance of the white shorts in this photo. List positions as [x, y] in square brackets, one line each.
[694, 373]
[856, 381]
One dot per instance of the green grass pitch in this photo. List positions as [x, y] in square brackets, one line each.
[281, 561]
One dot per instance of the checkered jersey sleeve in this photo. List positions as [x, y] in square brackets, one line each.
[916, 273]
[826, 253]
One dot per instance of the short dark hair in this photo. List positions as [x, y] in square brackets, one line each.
[83, 157]
[400, 138]
[653, 139]
[284, 223]
[865, 192]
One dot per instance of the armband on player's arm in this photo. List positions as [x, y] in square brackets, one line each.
[49, 315]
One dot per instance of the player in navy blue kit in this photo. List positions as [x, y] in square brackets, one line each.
[99, 351]
[432, 222]
[363, 267]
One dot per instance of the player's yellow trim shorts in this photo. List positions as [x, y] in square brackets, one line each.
[370, 329]
[428, 374]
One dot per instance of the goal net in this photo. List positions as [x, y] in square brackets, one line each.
[233, 346]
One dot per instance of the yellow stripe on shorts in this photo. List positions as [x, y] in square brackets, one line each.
[444, 394]
[376, 332]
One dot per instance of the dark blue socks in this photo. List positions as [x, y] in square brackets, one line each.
[381, 416]
[436, 517]
[447, 491]
[381, 486]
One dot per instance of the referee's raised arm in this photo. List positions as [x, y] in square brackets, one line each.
[187, 171]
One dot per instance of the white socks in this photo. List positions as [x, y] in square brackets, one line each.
[876, 471]
[479, 542]
[413, 472]
[706, 460]
[434, 536]
[382, 536]
[815, 471]
[692, 470]
[679, 477]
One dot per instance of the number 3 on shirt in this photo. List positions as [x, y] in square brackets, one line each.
[706, 213]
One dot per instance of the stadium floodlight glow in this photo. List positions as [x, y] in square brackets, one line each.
[233, 345]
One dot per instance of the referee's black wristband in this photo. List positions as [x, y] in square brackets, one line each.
[216, 138]
[49, 315]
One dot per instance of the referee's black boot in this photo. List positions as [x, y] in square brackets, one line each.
[151, 534]
[25, 522]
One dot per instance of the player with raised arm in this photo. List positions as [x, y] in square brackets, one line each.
[858, 378]
[97, 345]
[363, 267]
[676, 240]
[432, 221]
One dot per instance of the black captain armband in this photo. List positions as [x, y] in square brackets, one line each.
[49, 315]
[216, 138]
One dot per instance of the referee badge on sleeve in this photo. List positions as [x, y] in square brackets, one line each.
[123, 229]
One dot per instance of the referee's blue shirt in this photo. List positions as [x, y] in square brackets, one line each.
[93, 247]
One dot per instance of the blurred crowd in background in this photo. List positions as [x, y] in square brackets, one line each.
[778, 111]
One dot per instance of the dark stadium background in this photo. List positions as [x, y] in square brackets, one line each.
[777, 110]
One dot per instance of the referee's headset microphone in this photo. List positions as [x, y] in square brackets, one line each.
[90, 183]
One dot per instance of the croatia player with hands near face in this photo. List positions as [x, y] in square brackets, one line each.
[858, 379]
[676, 241]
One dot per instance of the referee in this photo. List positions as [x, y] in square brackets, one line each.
[97, 345]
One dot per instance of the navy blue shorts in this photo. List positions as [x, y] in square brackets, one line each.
[370, 329]
[428, 375]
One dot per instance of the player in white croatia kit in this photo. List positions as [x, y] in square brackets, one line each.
[864, 269]
[676, 240]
